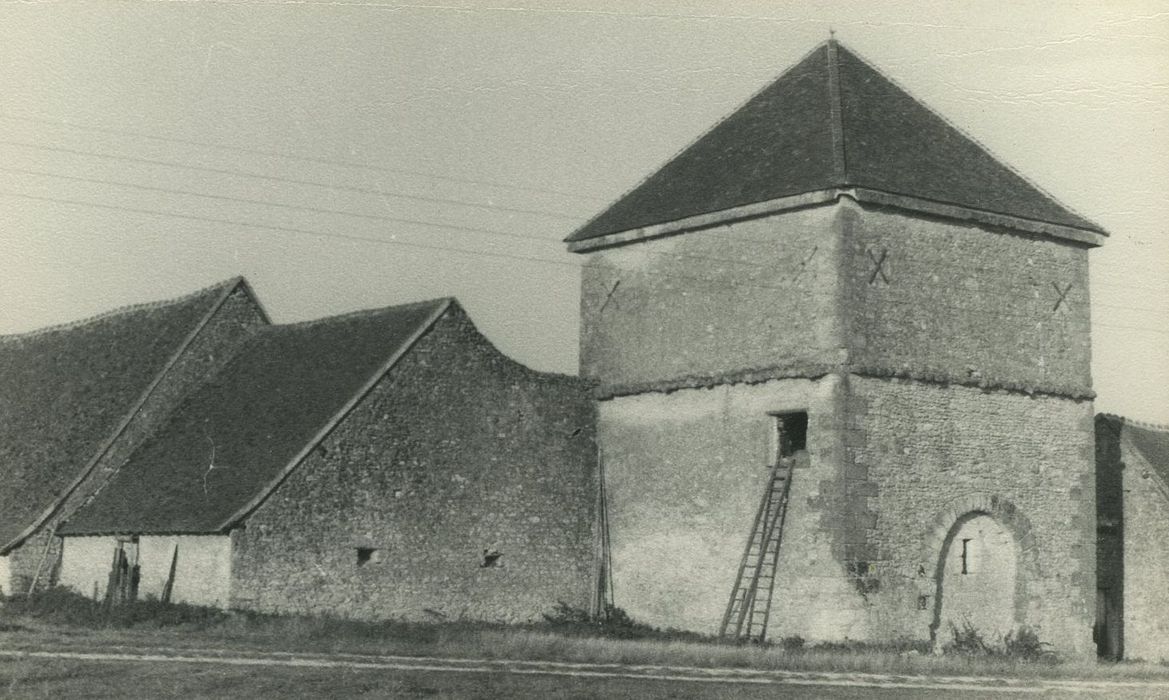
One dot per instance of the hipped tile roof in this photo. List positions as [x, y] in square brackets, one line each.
[234, 437]
[831, 121]
[64, 392]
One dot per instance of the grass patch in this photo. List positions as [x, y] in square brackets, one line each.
[62, 618]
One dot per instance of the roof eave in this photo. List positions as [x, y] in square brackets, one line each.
[226, 289]
[240, 514]
[1082, 236]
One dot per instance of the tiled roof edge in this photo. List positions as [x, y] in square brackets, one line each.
[1158, 427]
[962, 212]
[227, 288]
[257, 500]
[654, 171]
[998, 159]
[360, 313]
[863, 195]
[836, 114]
[99, 532]
[709, 220]
[537, 374]
[131, 308]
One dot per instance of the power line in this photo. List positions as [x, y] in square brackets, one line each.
[454, 227]
[289, 229]
[351, 237]
[297, 207]
[308, 159]
[286, 180]
[371, 191]
[378, 217]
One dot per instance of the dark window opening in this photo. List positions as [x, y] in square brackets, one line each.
[792, 433]
[967, 557]
[490, 558]
[365, 555]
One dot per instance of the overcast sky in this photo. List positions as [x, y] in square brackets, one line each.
[338, 155]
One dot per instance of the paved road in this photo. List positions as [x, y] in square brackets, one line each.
[213, 673]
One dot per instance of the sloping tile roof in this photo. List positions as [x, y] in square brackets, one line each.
[1151, 442]
[234, 436]
[64, 392]
[831, 121]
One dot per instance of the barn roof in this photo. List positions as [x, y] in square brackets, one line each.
[1150, 441]
[237, 436]
[832, 121]
[66, 391]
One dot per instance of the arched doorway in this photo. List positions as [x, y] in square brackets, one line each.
[977, 579]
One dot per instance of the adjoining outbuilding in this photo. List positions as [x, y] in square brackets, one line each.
[77, 399]
[1132, 507]
[386, 463]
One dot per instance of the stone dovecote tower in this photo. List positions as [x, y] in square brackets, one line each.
[836, 273]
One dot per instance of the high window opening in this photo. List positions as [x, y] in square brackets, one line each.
[365, 555]
[791, 434]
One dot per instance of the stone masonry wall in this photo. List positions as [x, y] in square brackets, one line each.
[749, 295]
[1146, 559]
[211, 348]
[685, 472]
[456, 451]
[960, 302]
[927, 456]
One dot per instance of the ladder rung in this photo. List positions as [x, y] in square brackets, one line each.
[750, 603]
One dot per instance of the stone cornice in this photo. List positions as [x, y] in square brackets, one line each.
[827, 196]
[814, 370]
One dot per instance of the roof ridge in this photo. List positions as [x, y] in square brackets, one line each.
[1159, 427]
[990, 152]
[836, 113]
[129, 308]
[356, 313]
[703, 134]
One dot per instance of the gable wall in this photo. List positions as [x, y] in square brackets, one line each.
[210, 349]
[458, 449]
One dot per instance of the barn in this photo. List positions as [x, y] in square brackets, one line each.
[1132, 600]
[386, 463]
[835, 385]
[78, 399]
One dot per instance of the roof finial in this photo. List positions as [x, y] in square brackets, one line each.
[831, 33]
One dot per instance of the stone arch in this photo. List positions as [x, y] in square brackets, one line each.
[948, 522]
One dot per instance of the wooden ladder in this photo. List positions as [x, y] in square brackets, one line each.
[750, 605]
